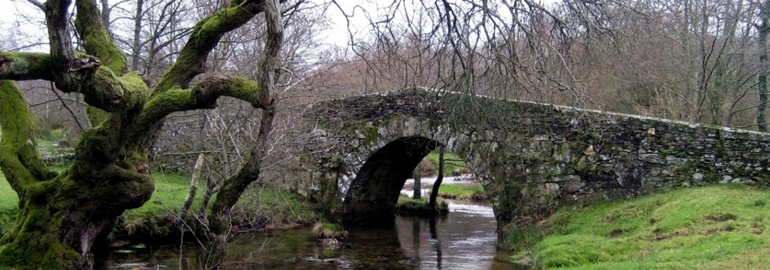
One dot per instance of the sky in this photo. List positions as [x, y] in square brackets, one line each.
[12, 10]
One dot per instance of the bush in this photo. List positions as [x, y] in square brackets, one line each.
[519, 236]
[427, 168]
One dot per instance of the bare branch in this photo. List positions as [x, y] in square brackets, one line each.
[36, 4]
[234, 186]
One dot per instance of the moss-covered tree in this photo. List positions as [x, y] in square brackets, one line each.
[61, 215]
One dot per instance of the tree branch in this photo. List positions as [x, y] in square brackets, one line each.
[205, 35]
[96, 38]
[203, 95]
[19, 160]
[233, 187]
[37, 4]
[99, 86]
[18, 66]
[72, 72]
[58, 32]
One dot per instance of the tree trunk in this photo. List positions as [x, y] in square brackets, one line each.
[417, 189]
[439, 179]
[136, 48]
[764, 28]
[62, 215]
[57, 232]
[196, 175]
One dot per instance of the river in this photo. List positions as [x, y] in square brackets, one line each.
[464, 239]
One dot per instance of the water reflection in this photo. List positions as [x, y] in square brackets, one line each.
[465, 239]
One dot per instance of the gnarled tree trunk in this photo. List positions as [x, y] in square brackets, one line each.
[62, 215]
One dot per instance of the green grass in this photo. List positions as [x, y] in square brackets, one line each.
[462, 191]
[8, 205]
[170, 191]
[453, 165]
[277, 205]
[269, 204]
[50, 137]
[416, 205]
[8, 198]
[717, 227]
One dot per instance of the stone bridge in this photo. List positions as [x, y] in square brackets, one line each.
[530, 157]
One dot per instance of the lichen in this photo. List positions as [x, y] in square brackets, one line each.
[20, 66]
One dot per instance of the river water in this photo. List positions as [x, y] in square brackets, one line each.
[464, 239]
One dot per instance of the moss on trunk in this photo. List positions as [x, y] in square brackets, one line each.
[60, 219]
[61, 215]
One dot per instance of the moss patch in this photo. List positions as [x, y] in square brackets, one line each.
[419, 207]
[329, 230]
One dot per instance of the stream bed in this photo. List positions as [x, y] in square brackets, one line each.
[464, 239]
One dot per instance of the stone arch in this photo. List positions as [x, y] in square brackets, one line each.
[533, 158]
[372, 196]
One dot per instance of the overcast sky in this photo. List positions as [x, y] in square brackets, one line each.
[12, 13]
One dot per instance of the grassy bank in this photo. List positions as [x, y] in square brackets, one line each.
[717, 227]
[407, 206]
[464, 192]
[259, 208]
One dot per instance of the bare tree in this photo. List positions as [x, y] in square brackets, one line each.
[764, 29]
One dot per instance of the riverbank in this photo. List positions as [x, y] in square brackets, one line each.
[157, 221]
[462, 187]
[261, 208]
[715, 227]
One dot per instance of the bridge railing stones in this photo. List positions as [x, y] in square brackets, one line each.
[535, 157]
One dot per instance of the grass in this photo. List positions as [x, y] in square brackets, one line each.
[170, 191]
[419, 207]
[8, 205]
[453, 165]
[329, 230]
[465, 192]
[276, 207]
[716, 227]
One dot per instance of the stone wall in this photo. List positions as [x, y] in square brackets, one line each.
[535, 157]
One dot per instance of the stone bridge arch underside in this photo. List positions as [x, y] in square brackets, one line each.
[530, 157]
[377, 185]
